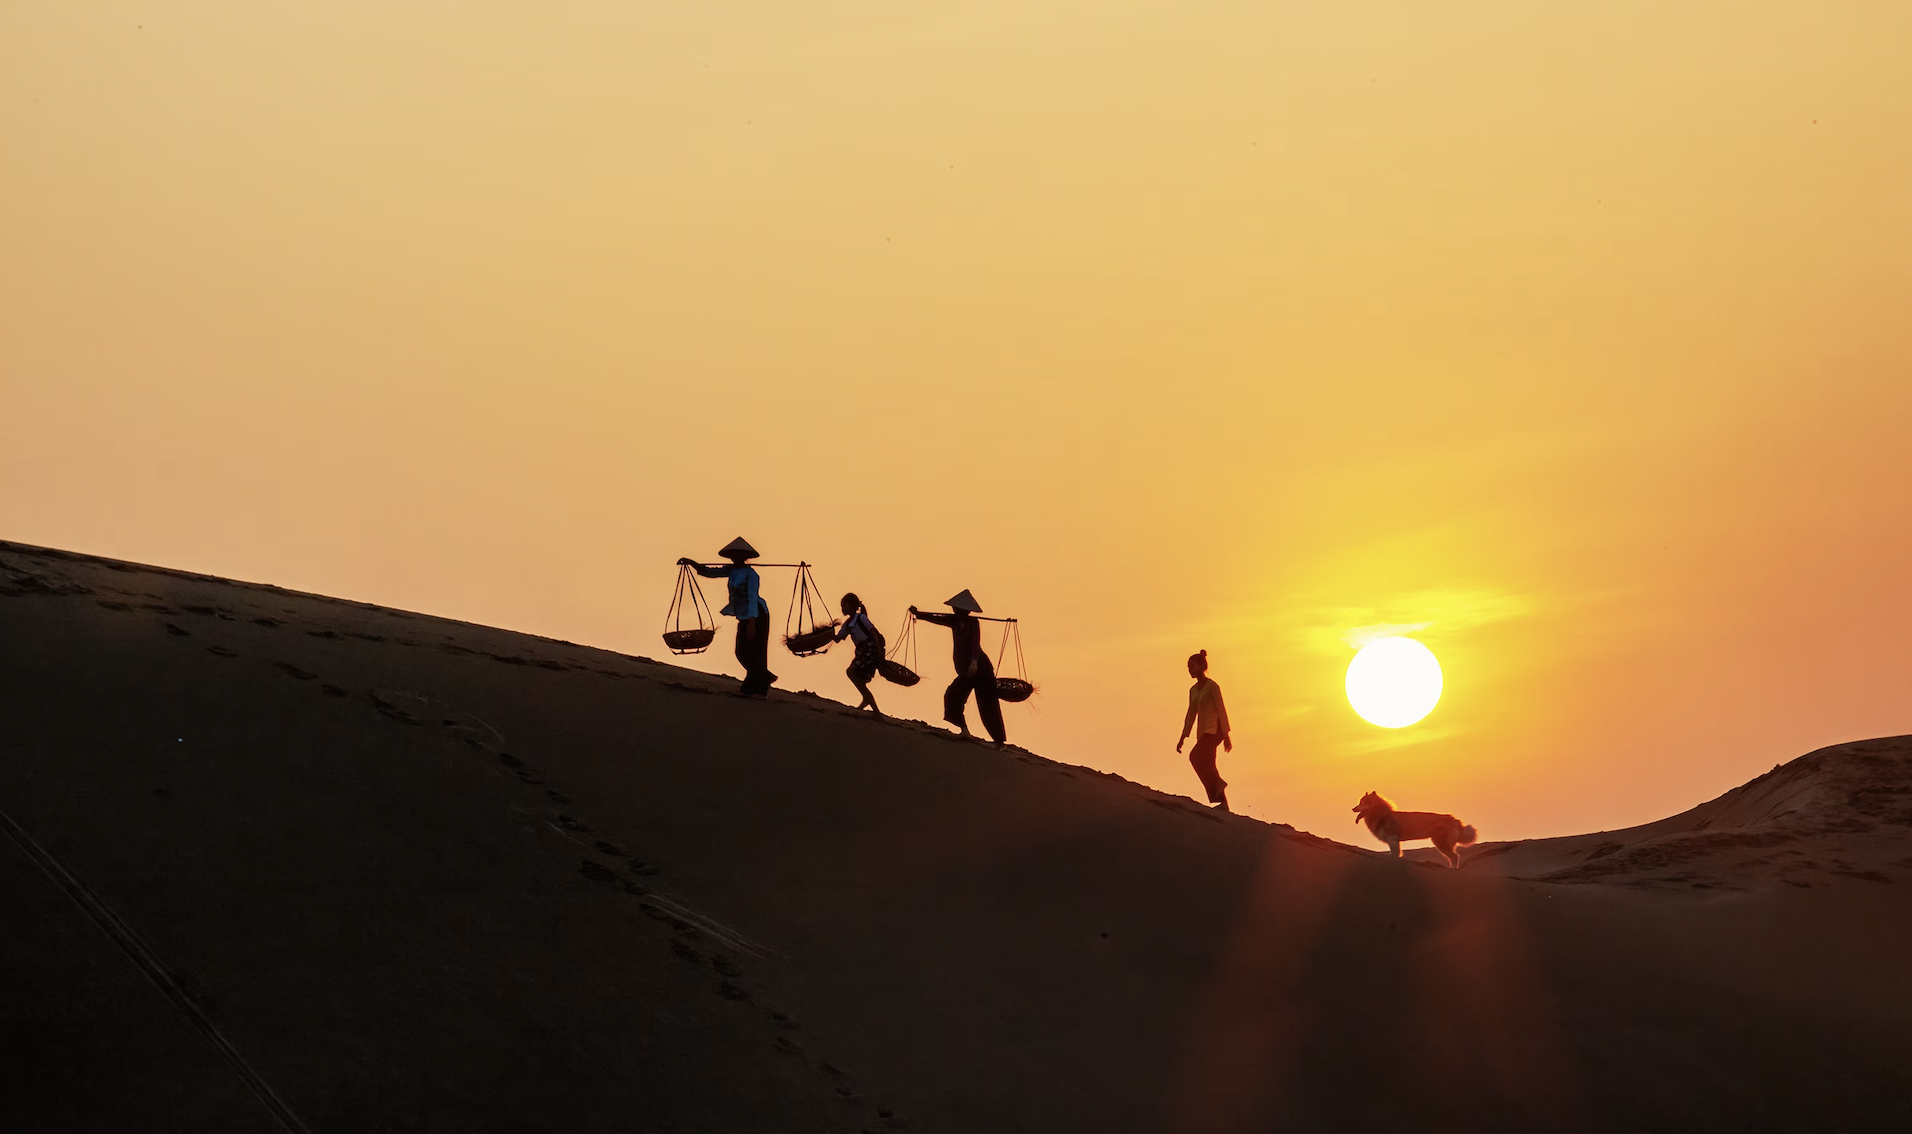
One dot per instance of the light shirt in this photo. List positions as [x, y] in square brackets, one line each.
[858, 626]
[1206, 710]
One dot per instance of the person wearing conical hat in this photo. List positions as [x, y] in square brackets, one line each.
[750, 611]
[974, 672]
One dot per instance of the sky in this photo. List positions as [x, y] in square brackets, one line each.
[1574, 340]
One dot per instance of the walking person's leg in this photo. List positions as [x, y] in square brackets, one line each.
[757, 675]
[1202, 758]
[745, 628]
[861, 673]
[988, 705]
[954, 698]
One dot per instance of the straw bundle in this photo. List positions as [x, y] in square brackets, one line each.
[896, 673]
[812, 641]
[1013, 689]
[689, 641]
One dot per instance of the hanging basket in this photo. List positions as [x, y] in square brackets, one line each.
[811, 642]
[1014, 689]
[1018, 688]
[689, 641]
[804, 633]
[694, 639]
[896, 667]
[896, 673]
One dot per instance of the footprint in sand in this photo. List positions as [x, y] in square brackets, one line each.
[393, 711]
[221, 651]
[177, 631]
[294, 671]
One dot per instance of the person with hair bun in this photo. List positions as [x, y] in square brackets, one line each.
[869, 648]
[1205, 708]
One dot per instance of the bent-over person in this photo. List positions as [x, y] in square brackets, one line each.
[869, 648]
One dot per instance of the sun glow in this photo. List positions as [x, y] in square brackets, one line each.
[1394, 682]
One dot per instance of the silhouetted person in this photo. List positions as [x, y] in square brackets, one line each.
[1205, 708]
[750, 611]
[974, 673]
[869, 648]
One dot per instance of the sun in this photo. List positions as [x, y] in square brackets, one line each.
[1394, 682]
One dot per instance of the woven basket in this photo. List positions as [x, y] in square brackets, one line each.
[689, 641]
[1013, 689]
[812, 641]
[896, 673]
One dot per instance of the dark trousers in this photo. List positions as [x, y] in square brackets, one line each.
[1203, 759]
[753, 653]
[983, 684]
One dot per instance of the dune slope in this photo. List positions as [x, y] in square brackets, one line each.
[402, 873]
[1841, 813]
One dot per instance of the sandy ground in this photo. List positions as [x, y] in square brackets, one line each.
[277, 861]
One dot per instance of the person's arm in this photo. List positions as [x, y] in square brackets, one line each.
[1188, 722]
[750, 587]
[931, 616]
[707, 572]
[1221, 718]
[843, 631]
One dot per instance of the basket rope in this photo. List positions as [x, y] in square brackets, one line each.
[903, 652]
[688, 587]
[805, 596]
[1012, 631]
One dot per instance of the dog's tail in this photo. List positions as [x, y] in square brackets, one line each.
[1468, 835]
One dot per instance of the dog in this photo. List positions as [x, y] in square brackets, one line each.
[1396, 827]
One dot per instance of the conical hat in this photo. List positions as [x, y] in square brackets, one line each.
[739, 548]
[965, 601]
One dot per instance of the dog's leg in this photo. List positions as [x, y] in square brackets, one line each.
[1394, 847]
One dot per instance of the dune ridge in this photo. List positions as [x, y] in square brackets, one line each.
[1843, 811]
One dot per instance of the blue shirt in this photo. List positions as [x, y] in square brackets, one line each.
[744, 602]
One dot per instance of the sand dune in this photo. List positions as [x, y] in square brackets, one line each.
[280, 861]
[1838, 814]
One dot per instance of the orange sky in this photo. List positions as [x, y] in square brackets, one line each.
[1576, 332]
